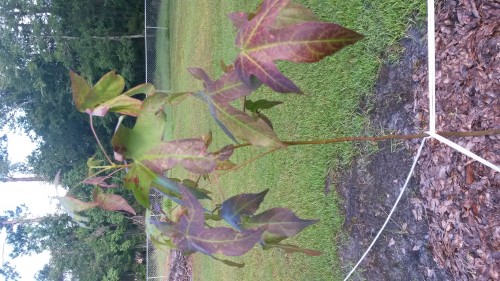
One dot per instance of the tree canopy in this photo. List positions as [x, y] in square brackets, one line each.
[40, 41]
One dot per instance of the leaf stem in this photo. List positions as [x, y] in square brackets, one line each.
[98, 141]
[387, 137]
[251, 160]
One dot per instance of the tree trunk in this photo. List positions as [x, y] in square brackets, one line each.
[22, 179]
[111, 38]
[20, 221]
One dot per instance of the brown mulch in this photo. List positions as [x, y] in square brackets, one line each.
[461, 196]
[180, 266]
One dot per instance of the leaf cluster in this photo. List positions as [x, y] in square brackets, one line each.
[278, 30]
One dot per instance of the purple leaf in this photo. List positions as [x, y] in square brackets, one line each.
[227, 241]
[235, 123]
[227, 88]
[213, 112]
[189, 234]
[244, 204]
[238, 19]
[268, 37]
[279, 221]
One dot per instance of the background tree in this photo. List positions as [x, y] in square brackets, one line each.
[40, 41]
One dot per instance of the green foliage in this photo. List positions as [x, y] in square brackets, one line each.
[9, 272]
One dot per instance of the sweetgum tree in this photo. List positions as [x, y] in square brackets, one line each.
[277, 30]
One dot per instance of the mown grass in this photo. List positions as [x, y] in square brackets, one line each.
[201, 36]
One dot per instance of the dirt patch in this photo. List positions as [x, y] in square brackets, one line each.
[371, 186]
[180, 266]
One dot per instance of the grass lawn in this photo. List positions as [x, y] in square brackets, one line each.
[202, 36]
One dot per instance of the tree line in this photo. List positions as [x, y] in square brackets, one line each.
[40, 41]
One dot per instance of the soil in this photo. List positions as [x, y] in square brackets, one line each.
[180, 266]
[370, 188]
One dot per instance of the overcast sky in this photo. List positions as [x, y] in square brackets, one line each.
[38, 197]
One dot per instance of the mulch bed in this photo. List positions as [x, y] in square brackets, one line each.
[461, 196]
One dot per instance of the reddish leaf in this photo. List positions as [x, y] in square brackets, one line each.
[226, 68]
[226, 89]
[225, 165]
[267, 37]
[99, 181]
[111, 202]
[238, 124]
[190, 153]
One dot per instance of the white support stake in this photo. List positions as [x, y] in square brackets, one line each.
[464, 151]
[431, 65]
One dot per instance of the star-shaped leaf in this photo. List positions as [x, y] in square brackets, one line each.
[235, 123]
[281, 30]
[190, 234]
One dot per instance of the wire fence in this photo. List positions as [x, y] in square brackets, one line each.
[157, 68]
[156, 43]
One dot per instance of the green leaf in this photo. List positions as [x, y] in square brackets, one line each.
[146, 88]
[144, 143]
[245, 127]
[106, 96]
[108, 87]
[176, 98]
[139, 179]
[122, 104]
[81, 91]
[91, 163]
[256, 106]
[75, 205]
[72, 206]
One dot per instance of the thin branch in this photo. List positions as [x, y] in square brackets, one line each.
[99, 142]
[251, 160]
[387, 137]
